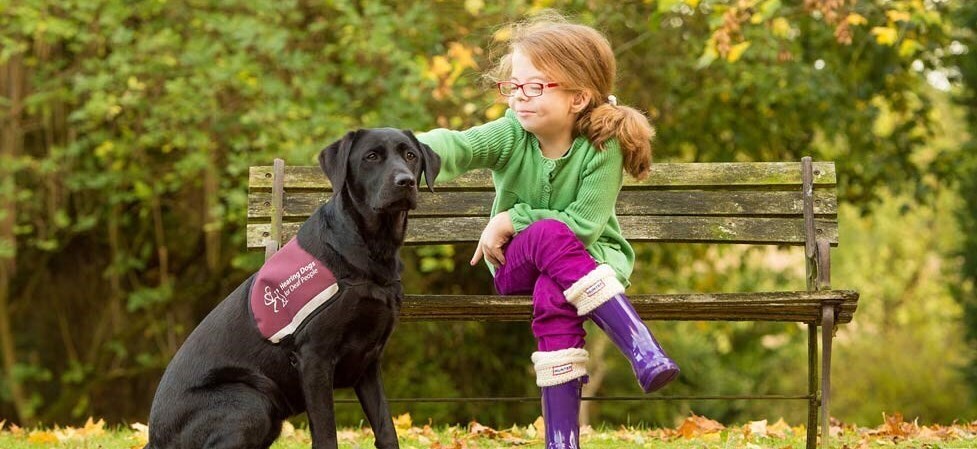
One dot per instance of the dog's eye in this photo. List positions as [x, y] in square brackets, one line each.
[411, 156]
[372, 156]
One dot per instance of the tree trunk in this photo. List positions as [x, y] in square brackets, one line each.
[597, 371]
[13, 89]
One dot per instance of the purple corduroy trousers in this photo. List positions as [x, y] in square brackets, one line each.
[545, 259]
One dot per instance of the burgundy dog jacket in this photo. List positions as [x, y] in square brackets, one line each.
[290, 286]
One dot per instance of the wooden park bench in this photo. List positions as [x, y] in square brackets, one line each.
[763, 203]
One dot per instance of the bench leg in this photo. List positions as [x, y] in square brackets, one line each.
[827, 332]
[812, 385]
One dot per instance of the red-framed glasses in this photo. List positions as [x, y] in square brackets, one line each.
[509, 88]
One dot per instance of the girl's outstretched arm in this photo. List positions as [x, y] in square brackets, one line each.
[484, 146]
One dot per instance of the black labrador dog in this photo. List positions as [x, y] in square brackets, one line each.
[231, 387]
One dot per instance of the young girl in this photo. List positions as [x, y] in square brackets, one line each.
[556, 159]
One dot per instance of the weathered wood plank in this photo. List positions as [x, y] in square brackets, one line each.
[630, 202]
[722, 202]
[795, 306]
[310, 177]
[687, 175]
[777, 231]
[452, 204]
[774, 231]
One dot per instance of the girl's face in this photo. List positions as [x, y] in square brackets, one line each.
[549, 115]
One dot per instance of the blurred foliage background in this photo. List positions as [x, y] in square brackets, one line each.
[128, 128]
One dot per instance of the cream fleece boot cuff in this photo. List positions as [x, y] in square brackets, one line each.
[594, 289]
[559, 367]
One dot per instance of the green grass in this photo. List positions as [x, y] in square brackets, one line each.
[94, 436]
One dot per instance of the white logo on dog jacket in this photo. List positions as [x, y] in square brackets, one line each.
[288, 288]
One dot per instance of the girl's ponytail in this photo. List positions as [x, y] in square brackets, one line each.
[629, 126]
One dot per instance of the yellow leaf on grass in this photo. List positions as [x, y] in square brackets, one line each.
[403, 422]
[474, 428]
[895, 426]
[42, 437]
[288, 430]
[540, 426]
[757, 428]
[141, 434]
[736, 51]
[698, 426]
[885, 35]
[92, 428]
[68, 433]
[779, 429]
[713, 437]
[347, 435]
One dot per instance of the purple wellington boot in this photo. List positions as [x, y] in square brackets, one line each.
[600, 296]
[618, 319]
[561, 414]
[560, 375]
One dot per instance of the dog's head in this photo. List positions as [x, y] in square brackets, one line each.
[380, 167]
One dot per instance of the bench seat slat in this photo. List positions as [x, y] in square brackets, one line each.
[686, 202]
[797, 306]
[687, 175]
[771, 231]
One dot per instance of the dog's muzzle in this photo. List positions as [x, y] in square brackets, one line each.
[398, 194]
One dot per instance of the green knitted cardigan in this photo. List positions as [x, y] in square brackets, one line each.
[579, 189]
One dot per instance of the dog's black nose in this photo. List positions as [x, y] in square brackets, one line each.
[405, 180]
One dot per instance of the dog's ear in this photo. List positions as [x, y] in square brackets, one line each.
[334, 160]
[430, 161]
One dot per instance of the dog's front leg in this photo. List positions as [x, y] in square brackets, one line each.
[317, 388]
[369, 390]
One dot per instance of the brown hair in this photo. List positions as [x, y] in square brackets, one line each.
[580, 58]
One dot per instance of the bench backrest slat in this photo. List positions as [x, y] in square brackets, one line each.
[768, 231]
[704, 175]
[756, 203]
[299, 205]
